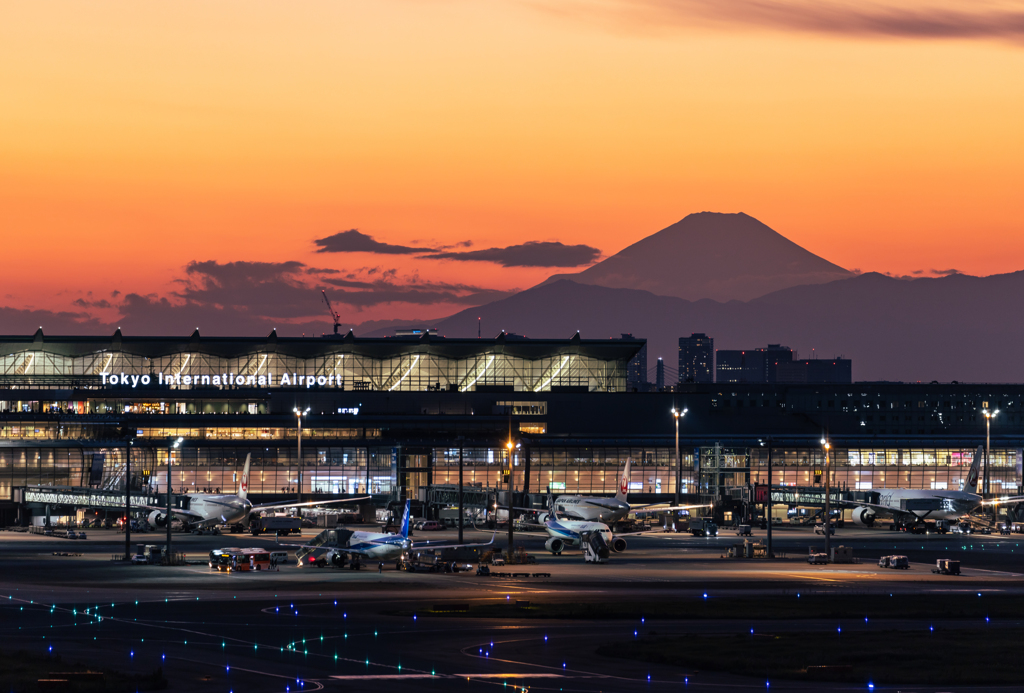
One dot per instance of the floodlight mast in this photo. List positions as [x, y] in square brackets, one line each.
[334, 316]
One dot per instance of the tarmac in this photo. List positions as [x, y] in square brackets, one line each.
[308, 628]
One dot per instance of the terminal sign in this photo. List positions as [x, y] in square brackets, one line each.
[222, 380]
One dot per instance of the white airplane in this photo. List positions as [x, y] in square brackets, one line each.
[375, 546]
[610, 510]
[913, 506]
[216, 508]
[564, 534]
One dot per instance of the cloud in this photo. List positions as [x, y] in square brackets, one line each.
[27, 321]
[82, 303]
[529, 254]
[945, 272]
[937, 19]
[354, 241]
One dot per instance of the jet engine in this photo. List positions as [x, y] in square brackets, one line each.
[618, 544]
[337, 559]
[157, 519]
[554, 545]
[865, 517]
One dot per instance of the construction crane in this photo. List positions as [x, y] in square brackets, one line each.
[330, 308]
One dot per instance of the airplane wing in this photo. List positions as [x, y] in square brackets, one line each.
[431, 545]
[189, 514]
[1008, 499]
[296, 504]
[658, 509]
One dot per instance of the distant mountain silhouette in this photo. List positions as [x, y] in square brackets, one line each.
[724, 257]
[957, 327]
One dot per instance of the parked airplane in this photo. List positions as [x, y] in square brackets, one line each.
[376, 546]
[564, 534]
[913, 506]
[205, 509]
[610, 510]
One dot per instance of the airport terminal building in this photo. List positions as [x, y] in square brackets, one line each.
[393, 416]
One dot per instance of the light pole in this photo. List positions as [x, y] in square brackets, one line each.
[128, 502]
[828, 509]
[768, 500]
[170, 459]
[461, 510]
[299, 413]
[511, 446]
[678, 414]
[989, 415]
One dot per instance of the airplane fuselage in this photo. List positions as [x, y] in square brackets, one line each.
[222, 508]
[591, 509]
[569, 530]
[928, 504]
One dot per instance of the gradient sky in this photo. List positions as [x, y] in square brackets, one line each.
[143, 146]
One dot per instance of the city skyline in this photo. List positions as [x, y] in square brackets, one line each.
[426, 158]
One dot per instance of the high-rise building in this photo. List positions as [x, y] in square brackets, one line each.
[659, 377]
[751, 365]
[696, 358]
[636, 369]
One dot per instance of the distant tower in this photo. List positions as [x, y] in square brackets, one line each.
[696, 358]
[659, 378]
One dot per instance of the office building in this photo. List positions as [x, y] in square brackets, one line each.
[696, 358]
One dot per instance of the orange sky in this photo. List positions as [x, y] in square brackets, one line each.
[137, 137]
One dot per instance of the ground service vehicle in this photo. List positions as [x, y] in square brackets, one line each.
[743, 531]
[818, 559]
[703, 527]
[900, 562]
[277, 524]
[257, 559]
[820, 529]
[278, 557]
[946, 566]
[595, 548]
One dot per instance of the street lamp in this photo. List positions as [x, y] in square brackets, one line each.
[299, 413]
[989, 415]
[828, 509]
[678, 414]
[170, 459]
[511, 446]
[768, 501]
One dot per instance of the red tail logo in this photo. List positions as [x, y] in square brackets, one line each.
[245, 484]
[624, 484]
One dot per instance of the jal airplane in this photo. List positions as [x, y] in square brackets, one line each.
[609, 510]
[913, 506]
[207, 509]
[375, 546]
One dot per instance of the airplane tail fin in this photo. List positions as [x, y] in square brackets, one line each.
[623, 484]
[243, 484]
[970, 484]
[405, 520]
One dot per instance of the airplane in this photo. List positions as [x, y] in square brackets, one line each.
[564, 534]
[375, 546]
[208, 509]
[914, 506]
[609, 510]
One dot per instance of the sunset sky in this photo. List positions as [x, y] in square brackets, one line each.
[175, 163]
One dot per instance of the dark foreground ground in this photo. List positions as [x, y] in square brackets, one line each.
[640, 622]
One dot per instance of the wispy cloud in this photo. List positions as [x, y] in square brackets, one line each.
[932, 19]
[529, 254]
[355, 241]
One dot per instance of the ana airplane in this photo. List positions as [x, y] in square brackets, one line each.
[564, 534]
[610, 510]
[353, 545]
[205, 509]
[913, 506]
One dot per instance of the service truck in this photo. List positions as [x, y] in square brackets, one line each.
[279, 524]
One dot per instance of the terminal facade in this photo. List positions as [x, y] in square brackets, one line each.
[392, 417]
